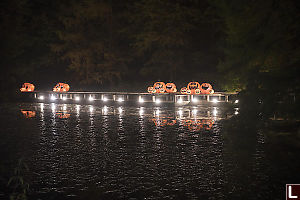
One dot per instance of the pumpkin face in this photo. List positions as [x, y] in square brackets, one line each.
[193, 86]
[183, 90]
[206, 88]
[27, 87]
[171, 88]
[61, 87]
[159, 87]
[150, 89]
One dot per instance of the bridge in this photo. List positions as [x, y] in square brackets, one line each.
[176, 99]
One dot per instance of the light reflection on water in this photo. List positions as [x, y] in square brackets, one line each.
[131, 151]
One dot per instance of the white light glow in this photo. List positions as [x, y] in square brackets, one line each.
[53, 98]
[194, 111]
[42, 107]
[157, 101]
[105, 109]
[157, 112]
[195, 99]
[214, 100]
[91, 98]
[64, 98]
[236, 112]
[65, 107]
[41, 97]
[120, 99]
[120, 110]
[77, 98]
[179, 100]
[141, 111]
[77, 108]
[91, 108]
[180, 113]
[215, 112]
[53, 107]
[141, 100]
[236, 101]
[104, 99]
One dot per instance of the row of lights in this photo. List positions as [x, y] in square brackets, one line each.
[141, 100]
[53, 98]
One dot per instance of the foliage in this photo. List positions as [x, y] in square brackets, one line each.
[89, 40]
[17, 182]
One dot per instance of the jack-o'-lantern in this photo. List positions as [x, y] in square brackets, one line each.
[183, 90]
[61, 87]
[193, 86]
[206, 88]
[159, 87]
[171, 88]
[150, 89]
[27, 87]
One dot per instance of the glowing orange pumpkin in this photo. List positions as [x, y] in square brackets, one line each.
[171, 88]
[150, 89]
[206, 88]
[183, 90]
[159, 87]
[27, 87]
[193, 88]
[61, 87]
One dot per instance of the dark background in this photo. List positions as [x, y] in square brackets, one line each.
[115, 45]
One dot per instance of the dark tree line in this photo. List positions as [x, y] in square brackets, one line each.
[237, 45]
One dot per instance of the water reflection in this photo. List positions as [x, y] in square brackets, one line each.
[127, 149]
[28, 113]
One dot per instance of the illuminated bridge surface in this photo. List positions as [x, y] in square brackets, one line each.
[78, 151]
[140, 98]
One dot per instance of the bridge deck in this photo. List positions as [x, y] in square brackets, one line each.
[96, 97]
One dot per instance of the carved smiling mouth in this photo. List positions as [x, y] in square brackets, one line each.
[169, 87]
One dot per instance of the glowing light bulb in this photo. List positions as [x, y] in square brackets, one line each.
[179, 100]
[77, 98]
[91, 98]
[53, 97]
[41, 97]
[236, 101]
[157, 101]
[104, 99]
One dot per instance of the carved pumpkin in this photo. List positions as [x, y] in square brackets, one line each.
[193, 86]
[150, 89]
[159, 87]
[171, 88]
[61, 87]
[206, 88]
[27, 87]
[183, 90]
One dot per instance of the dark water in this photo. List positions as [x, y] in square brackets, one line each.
[90, 152]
